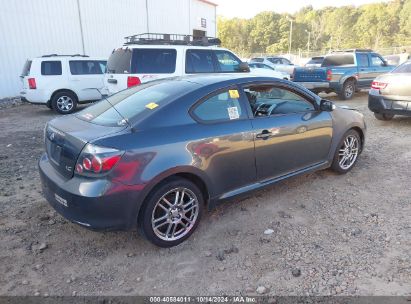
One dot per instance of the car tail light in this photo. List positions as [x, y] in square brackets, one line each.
[329, 75]
[95, 160]
[378, 85]
[32, 83]
[133, 81]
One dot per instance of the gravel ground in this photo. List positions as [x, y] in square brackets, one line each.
[318, 234]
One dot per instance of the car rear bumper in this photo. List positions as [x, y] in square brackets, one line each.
[33, 96]
[315, 85]
[97, 204]
[380, 104]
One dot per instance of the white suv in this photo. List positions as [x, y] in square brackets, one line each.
[148, 57]
[63, 81]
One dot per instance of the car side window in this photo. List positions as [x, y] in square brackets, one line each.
[362, 60]
[270, 100]
[85, 67]
[285, 61]
[50, 68]
[199, 61]
[376, 60]
[227, 61]
[222, 106]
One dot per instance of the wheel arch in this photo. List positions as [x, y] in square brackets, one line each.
[60, 91]
[190, 173]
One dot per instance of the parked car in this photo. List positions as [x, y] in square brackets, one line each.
[262, 69]
[315, 61]
[62, 81]
[343, 72]
[278, 63]
[390, 93]
[147, 57]
[125, 162]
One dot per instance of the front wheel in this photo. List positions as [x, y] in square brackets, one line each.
[347, 152]
[383, 117]
[171, 212]
[348, 90]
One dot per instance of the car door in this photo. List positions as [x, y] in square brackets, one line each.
[225, 150]
[378, 66]
[365, 73]
[290, 132]
[86, 77]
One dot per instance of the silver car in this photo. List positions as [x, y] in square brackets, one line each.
[278, 63]
[390, 93]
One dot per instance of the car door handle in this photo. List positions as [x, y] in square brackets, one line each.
[110, 80]
[362, 70]
[265, 134]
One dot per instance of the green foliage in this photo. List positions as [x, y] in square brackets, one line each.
[369, 26]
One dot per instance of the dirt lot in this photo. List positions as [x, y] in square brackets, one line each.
[331, 234]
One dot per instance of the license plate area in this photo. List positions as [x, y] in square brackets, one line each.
[54, 152]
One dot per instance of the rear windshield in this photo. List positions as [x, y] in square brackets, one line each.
[315, 61]
[26, 68]
[128, 104]
[403, 68]
[120, 62]
[338, 60]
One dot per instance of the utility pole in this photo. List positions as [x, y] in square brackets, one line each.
[308, 42]
[291, 35]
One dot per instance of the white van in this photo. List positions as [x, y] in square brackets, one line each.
[63, 81]
[148, 57]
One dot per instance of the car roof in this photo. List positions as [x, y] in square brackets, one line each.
[233, 78]
[170, 46]
[59, 57]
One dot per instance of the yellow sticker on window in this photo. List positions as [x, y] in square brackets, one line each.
[151, 105]
[234, 94]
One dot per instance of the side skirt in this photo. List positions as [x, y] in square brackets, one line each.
[245, 191]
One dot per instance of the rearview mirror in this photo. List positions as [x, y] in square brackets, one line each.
[326, 105]
[244, 67]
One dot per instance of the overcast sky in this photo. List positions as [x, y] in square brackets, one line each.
[248, 9]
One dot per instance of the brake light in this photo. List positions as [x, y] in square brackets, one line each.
[95, 160]
[132, 81]
[32, 83]
[378, 85]
[329, 75]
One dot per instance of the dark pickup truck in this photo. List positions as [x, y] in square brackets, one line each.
[343, 72]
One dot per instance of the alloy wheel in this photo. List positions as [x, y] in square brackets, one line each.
[65, 103]
[348, 152]
[175, 214]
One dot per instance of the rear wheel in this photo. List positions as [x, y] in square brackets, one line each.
[347, 152]
[348, 90]
[64, 102]
[383, 117]
[171, 212]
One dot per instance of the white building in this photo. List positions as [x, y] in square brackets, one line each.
[31, 28]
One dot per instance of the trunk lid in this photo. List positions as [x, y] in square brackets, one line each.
[398, 84]
[65, 138]
[310, 74]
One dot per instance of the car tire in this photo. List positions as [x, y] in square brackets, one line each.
[347, 152]
[166, 218]
[384, 117]
[64, 102]
[348, 90]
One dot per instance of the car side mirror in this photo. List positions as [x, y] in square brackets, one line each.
[244, 67]
[327, 105]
